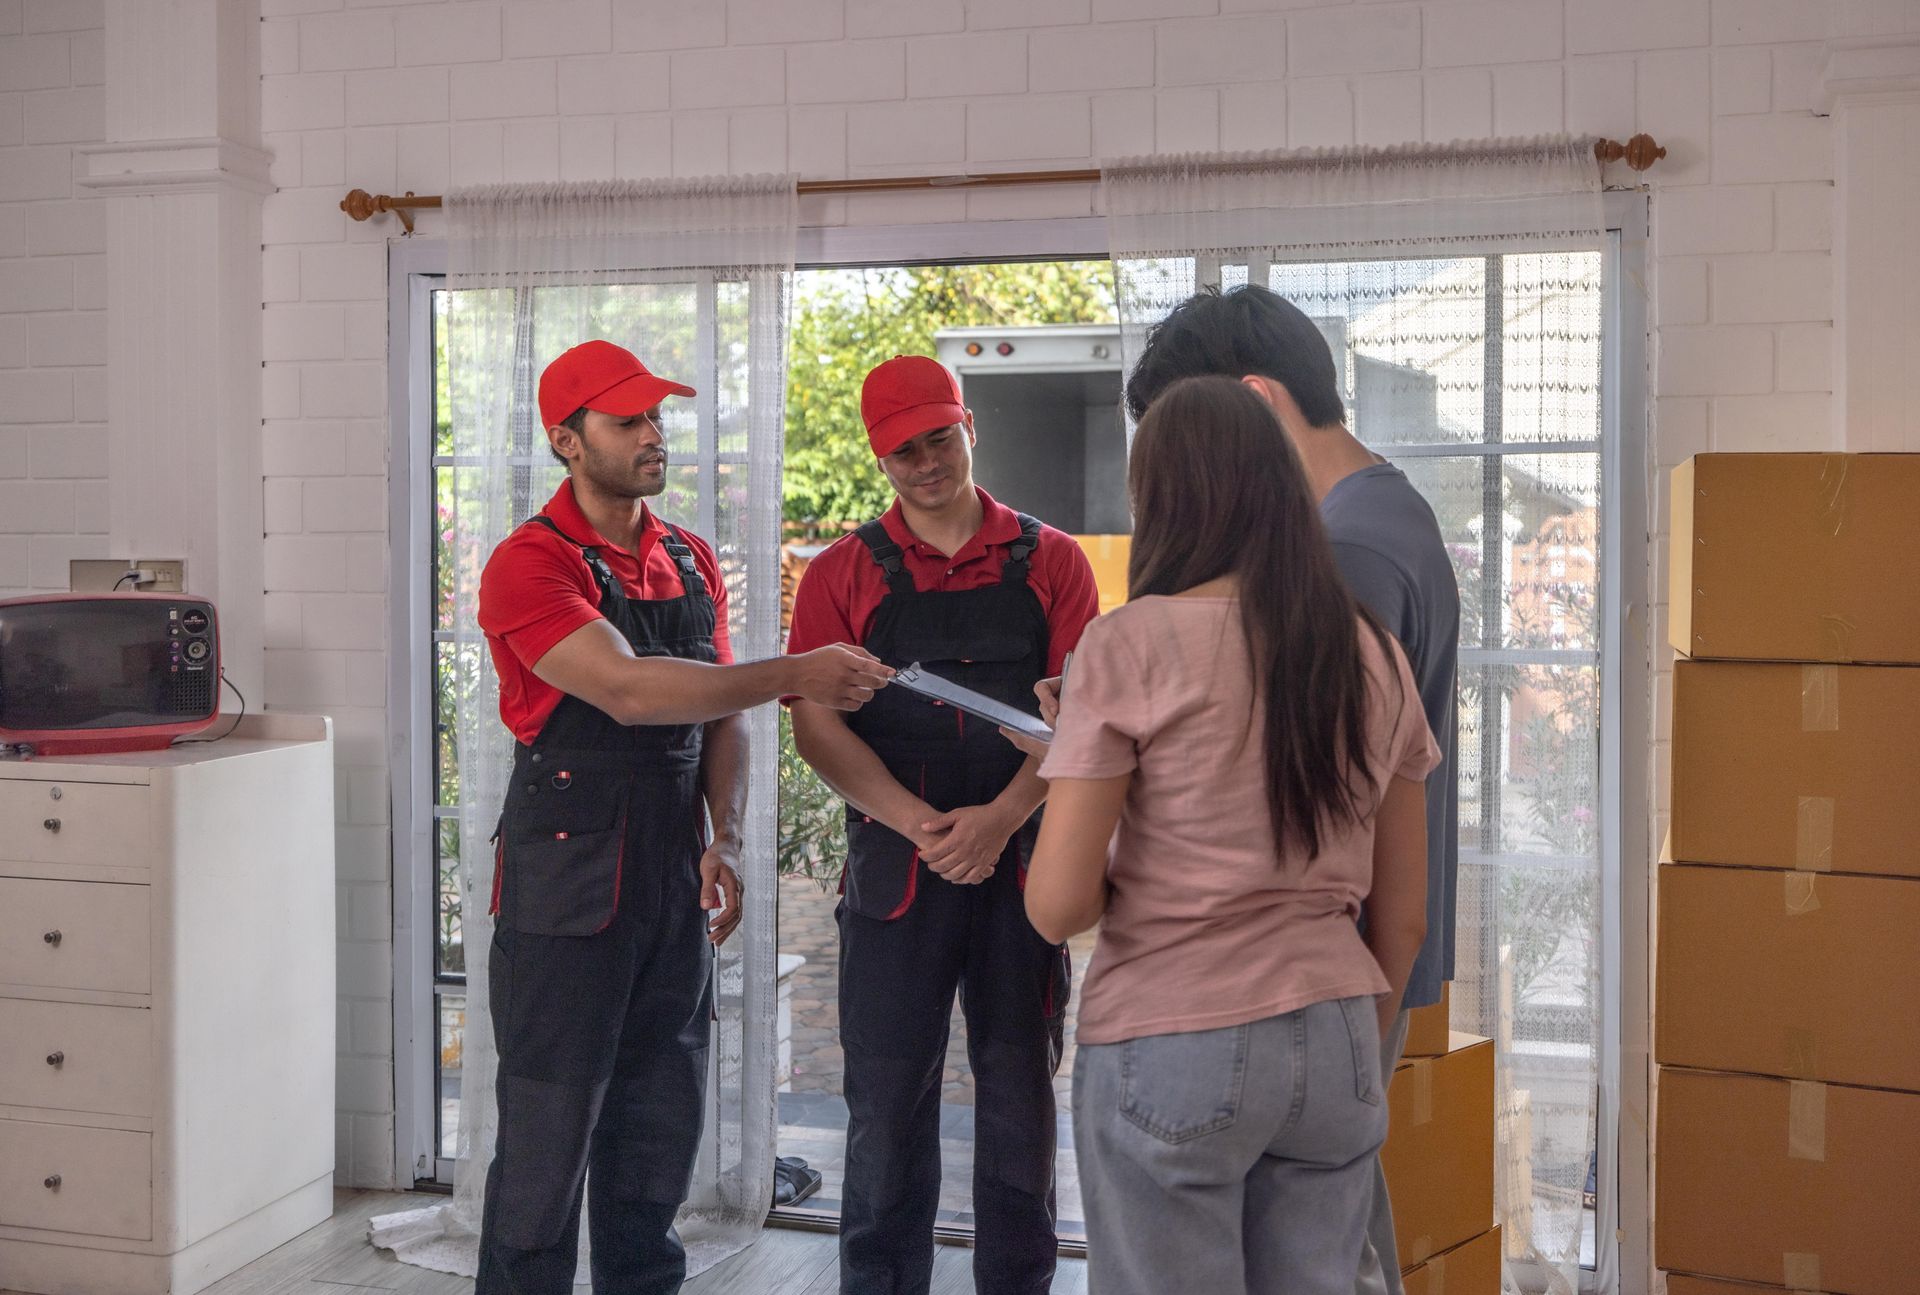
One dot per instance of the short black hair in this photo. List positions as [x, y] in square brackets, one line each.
[1232, 334]
[575, 422]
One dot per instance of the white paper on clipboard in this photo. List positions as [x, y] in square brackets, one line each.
[916, 679]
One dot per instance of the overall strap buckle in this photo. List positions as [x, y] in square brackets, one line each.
[610, 590]
[1014, 570]
[887, 555]
[675, 543]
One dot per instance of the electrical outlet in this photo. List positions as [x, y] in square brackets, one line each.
[169, 575]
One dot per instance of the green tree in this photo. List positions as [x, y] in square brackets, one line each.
[847, 321]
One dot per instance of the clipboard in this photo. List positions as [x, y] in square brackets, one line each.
[915, 678]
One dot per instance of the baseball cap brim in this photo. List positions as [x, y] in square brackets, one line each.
[635, 395]
[901, 426]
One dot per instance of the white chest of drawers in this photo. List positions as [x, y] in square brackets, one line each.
[166, 1009]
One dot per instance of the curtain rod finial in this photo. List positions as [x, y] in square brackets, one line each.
[362, 205]
[1640, 152]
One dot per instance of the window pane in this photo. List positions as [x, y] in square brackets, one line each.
[452, 1011]
[1552, 552]
[1529, 760]
[456, 681]
[451, 958]
[1533, 581]
[445, 549]
[733, 389]
[1411, 346]
[442, 408]
[1550, 347]
[1408, 339]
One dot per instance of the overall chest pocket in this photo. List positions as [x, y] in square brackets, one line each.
[562, 851]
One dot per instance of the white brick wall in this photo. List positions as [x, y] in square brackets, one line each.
[53, 337]
[433, 93]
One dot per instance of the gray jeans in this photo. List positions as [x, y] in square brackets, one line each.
[1231, 1160]
[1380, 1257]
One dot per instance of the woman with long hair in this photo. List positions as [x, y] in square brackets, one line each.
[1237, 777]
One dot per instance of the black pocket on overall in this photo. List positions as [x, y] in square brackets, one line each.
[882, 868]
[561, 861]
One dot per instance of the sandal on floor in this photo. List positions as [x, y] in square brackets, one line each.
[793, 1180]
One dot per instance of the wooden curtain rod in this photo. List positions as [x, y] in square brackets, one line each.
[1639, 153]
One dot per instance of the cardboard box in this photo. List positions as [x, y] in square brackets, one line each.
[1797, 766]
[1439, 1153]
[1108, 556]
[1789, 973]
[1804, 1185]
[1428, 1027]
[1470, 1269]
[1688, 1284]
[1796, 557]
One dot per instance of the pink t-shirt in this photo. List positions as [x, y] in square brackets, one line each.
[1206, 924]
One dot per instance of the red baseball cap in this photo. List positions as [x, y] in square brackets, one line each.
[906, 396]
[602, 376]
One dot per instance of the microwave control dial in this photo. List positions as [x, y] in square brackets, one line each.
[197, 650]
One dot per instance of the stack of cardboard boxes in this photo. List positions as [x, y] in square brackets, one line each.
[1439, 1159]
[1787, 1000]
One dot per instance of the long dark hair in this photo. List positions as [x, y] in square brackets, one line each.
[1217, 488]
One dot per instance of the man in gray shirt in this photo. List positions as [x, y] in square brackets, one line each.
[1389, 547]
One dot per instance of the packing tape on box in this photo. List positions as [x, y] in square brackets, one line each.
[1420, 1090]
[1806, 1122]
[1802, 1052]
[1423, 1245]
[1813, 834]
[1819, 699]
[1437, 1275]
[1839, 632]
[1801, 1272]
[1833, 490]
[1803, 896]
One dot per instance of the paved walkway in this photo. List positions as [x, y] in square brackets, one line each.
[807, 928]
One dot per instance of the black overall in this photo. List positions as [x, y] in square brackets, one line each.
[600, 978]
[909, 939]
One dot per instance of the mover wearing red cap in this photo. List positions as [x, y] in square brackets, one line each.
[942, 816]
[616, 864]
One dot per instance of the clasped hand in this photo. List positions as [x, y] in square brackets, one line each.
[964, 845]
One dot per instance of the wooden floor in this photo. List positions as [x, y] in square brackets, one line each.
[335, 1259]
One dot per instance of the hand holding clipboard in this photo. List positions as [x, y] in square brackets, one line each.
[1049, 692]
[916, 678]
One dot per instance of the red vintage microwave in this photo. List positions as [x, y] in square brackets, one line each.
[106, 672]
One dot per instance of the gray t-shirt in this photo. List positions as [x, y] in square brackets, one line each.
[1389, 547]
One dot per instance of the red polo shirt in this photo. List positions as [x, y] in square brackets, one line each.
[537, 589]
[842, 588]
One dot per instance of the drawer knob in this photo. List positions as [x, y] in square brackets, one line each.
[56, 1059]
[51, 824]
[53, 1182]
[53, 938]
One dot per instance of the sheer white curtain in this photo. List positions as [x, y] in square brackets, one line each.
[693, 276]
[1460, 288]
